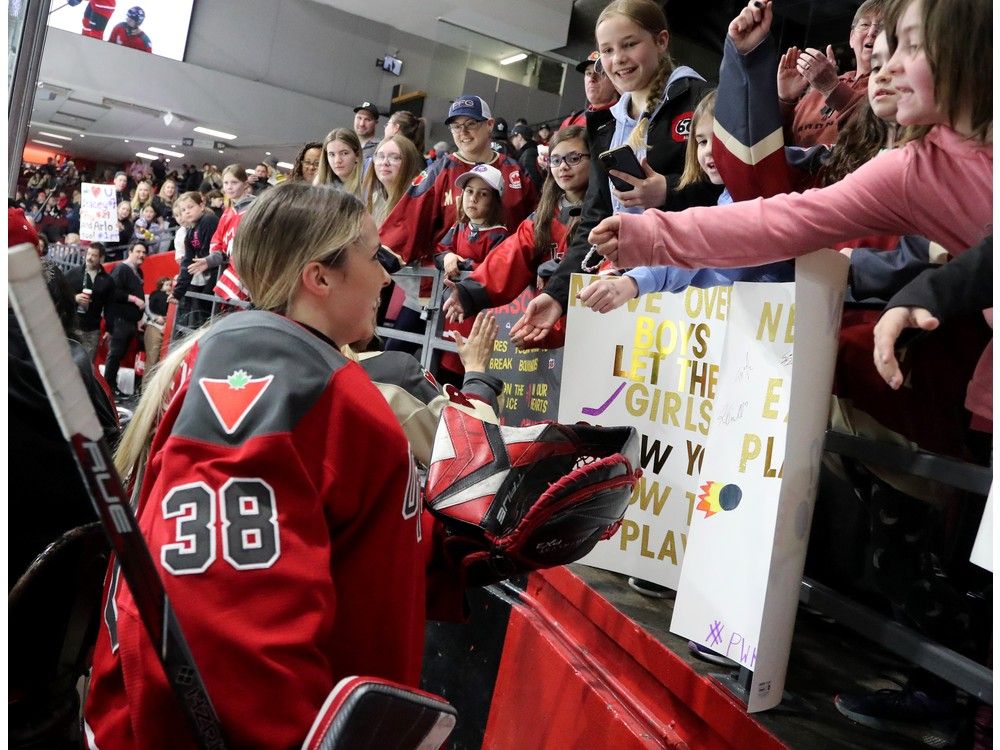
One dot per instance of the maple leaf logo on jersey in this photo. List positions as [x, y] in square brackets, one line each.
[232, 398]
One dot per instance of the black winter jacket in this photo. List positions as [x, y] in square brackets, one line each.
[667, 135]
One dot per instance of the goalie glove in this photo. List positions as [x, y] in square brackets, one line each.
[516, 499]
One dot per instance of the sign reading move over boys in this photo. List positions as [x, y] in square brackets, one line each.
[98, 213]
[652, 364]
[731, 395]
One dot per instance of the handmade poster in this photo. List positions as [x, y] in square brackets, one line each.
[982, 550]
[98, 213]
[739, 588]
[652, 364]
[531, 377]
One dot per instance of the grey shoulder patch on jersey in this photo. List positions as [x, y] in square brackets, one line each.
[256, 373]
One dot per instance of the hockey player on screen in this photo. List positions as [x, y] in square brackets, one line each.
[128, 33]
[96, 16]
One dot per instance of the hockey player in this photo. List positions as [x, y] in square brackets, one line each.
[96, 16]
[128, 33]
[270, 441]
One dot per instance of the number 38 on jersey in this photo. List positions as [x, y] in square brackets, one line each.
[249, 521]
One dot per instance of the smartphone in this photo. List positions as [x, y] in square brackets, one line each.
[623, 159]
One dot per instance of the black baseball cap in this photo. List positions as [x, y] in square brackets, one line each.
[368, 106]
[592, 59]
[524, 131]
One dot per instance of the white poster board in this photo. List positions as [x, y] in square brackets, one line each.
[98, 213]
[982, 550]
[739, 588]
[652, 364]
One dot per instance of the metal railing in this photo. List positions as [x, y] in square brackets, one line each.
[430, 340]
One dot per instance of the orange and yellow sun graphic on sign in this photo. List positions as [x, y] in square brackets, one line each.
[716, 497]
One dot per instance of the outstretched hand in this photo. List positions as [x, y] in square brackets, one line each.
[540, 315]
[607, 294]
[452, 307]
[475, 350]
[198, 266]
[887, 332]
[752, 25]
[605, 237]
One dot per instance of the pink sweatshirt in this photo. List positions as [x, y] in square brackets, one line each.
[940, 187]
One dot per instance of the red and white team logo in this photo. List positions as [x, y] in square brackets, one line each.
[419, 178]
[515, 180]
[680, 128]
[232, 398]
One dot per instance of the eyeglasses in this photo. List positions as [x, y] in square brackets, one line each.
[865, 26]
[390, 158]
[572, 158]
[464, 127]
[313, 164]
[593, 74]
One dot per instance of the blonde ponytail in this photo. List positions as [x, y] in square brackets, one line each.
[657, 90]
[133, 448]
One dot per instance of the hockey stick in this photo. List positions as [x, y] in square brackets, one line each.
[78, 422]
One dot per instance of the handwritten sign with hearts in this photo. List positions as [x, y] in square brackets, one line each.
[98, 213]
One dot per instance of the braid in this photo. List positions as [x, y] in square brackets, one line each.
[637, 140]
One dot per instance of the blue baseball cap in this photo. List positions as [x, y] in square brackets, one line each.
[468, 105]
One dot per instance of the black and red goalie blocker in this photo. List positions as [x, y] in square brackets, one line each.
[516, 499]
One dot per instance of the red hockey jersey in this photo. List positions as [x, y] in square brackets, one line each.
[513, 265]
[474, 245]
[427, 210]
[281, 506]
[139, 41]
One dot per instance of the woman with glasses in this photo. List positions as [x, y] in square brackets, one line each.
[395, 163]
[307, 162]
[428, 208]
[527, 257]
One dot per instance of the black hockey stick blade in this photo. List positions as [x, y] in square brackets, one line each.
[368, 713]
[79, 424]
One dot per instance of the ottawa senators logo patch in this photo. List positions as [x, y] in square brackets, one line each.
[515, 180]
[680, 128]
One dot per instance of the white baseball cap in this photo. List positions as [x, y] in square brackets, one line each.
[490, 175]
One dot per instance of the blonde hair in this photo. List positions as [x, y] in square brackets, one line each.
[290, 225]
[237, 170]
[136, 205]
[692, 169]
[648, 16]
[372, 188]
[325, 173]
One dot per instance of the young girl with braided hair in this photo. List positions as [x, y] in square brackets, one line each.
[653, 117]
